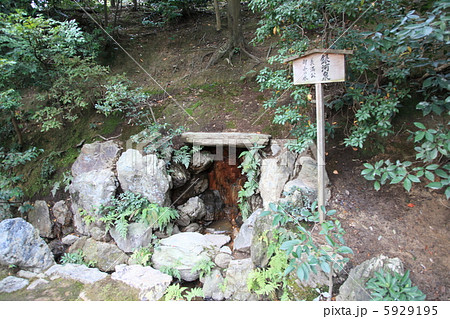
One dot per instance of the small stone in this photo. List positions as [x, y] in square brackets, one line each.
[69, 239]
[37, 283]
[222, 260]
[11, 284]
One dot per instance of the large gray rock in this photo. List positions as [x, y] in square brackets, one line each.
[193, 208]
[218, 240]
[235, 139]
[243, 240]
[76, 272]
[145, 175]
[151, 282]
[194, 187]
[213, 204]
[88, 191]
[272, 180]
[62, 213]
[183, 251]
[353, 289]
[21, 245]
[236, 280]
[138, 235]
[11, 284]
[180, 175]
[262, 235]
[96, 156]
[201, 161]
[105, 255]
[212, 286]
[306, 181]
[39, 217]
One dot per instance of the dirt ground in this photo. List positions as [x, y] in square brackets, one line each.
[412, 226]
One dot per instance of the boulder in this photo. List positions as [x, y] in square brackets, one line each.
[182, 251]
[272, 180]
[21, 245]
[213, 204]
[262, 235]
[145, 175]
[38, 283]
[95, 157]
[201, 161]
[353, 289]
[218, 240]
[194, 187]
[105, 255]
[138, 235]
[76, 272]
[88, 191]
[151, 282]
[193, 208]
[11, 284]
[39, 217]
[212, 286]
[223, 260]
[236, 280]
[179, 174]
[69, 239]
[193, 227]
[243, 240]
[62, 213]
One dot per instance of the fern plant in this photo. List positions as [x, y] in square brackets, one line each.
[267, 281]
[250, 168]
[130, 207]
[171, 271]
[77, 257]
[177, 293]
[203, 267]
[184, 155]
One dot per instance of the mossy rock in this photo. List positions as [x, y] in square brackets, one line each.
[297, 291]
[55, 290]
[108, 289]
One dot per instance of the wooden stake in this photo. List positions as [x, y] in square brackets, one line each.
[320, 119]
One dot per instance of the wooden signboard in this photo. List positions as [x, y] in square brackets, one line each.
[316, 67]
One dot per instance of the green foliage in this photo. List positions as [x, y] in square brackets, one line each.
[165, 11]
[54, 57]
[184, 155]
[142, 256]
[177, 293]
[250, 168]
[130, 207]
[395, 52]
[203, 267]
[385, 286]
[118, 97]
[77, 257]
[171, 271]
[434, 148]
[302, 245]
[268, 281]
[10, 193]
[157, 139]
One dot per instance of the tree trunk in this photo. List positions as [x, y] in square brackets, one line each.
[105, 10]
[17, 129]
[235, 43]
[218, 21]
[113, 3]
[135, 5]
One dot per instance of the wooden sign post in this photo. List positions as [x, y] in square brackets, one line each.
[316, 67]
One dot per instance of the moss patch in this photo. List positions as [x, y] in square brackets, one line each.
[55, 290]
[110, 290]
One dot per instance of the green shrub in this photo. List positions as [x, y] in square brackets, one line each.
[385, 286]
